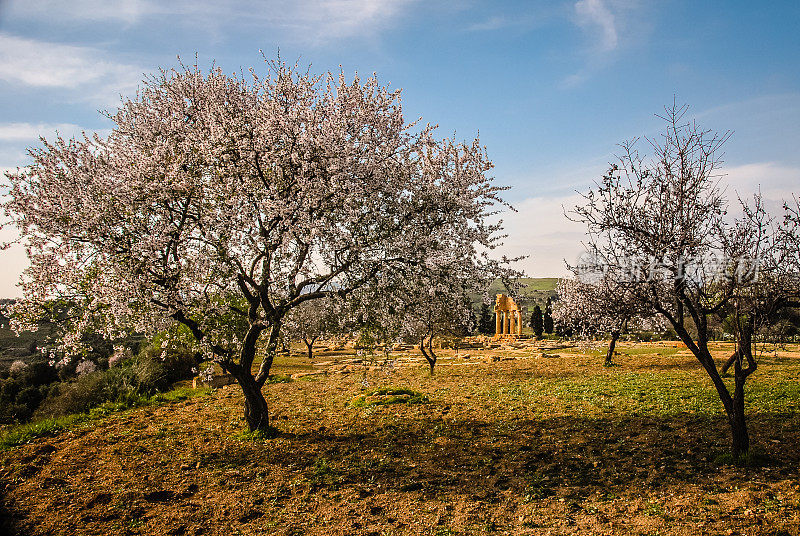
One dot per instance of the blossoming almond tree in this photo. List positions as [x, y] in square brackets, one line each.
[663, 223]
[223, 202]
[600, 306]
[312, 321]
[441, 307]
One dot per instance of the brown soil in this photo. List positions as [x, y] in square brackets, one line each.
[471, 461]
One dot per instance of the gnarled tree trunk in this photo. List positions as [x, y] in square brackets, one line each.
[430, 357]
[256, 412]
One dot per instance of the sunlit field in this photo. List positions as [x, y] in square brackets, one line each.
[537, 439]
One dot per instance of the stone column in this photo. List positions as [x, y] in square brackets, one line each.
[519, 323]
[498, 323]
[507, 318]
[512, 323]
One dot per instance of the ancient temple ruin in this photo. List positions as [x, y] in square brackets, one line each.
[508, 317]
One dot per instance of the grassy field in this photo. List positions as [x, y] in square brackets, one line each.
[532, 440]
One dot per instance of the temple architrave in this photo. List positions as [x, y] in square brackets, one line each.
[508, 317]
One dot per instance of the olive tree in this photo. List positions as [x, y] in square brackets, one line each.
[222, 196]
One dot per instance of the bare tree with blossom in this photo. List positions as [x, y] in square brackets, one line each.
[312, 321]
[222, 202]
[662, 222]
[441, 310]
[602, 305]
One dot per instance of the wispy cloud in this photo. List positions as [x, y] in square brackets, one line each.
[602, 22]
[596, 15]
[126, 11]
[342, 18]
[85, 71]
[492, 23]
[304, 21]
[776, 182]
[15, 132]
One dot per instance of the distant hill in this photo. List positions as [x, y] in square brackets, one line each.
[535, 290]
[531, 285]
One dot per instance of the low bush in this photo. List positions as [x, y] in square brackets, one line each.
[135, 378]
[382, 396]
[177, 361]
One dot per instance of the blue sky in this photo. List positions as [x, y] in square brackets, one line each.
[552, 86]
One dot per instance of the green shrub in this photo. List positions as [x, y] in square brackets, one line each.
[22, 392]
[135, 378]
[177, 361]
[382, 396]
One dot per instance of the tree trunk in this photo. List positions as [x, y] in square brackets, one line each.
[256, 412]
[269, 353]
[734, 405]
[739, 435]
[729, 362]
[430, 351]
[613, 344]
[431, 359]
[310, 346]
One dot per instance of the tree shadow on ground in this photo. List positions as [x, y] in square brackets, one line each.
[568, 456]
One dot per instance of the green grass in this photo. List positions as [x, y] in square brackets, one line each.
[25, 433]
[19, 435]
[753, 458]
[256, 435]
[653, 394]
[278, 378]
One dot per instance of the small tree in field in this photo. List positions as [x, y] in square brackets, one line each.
[223, 203]
[312, 321]
[439, 304]
[599, 307]
[486, 323]
[537, 323]
[661, 226]
[547, 319]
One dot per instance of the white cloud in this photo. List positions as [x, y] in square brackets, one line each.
[595, 13]
[608, 28]
[775, 182]
[14, 132]
[13, 260]
[490, 24]
[540, 230]
[84, 71]
[343, 18]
